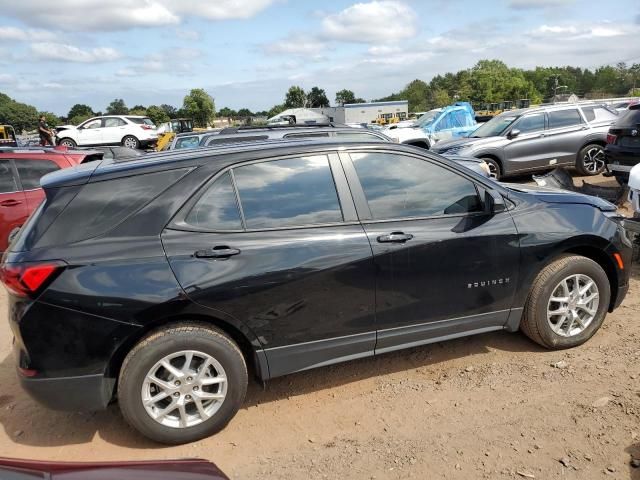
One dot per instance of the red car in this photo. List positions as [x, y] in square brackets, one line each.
[20, 173]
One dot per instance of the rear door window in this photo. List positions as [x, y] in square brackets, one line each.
[564, 118]
[288, 192]
[31, 171]
[7, 178]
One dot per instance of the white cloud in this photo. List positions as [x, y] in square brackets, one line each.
[373, 22]
[6, 79]
[296, 44]
[532, 4]
[61, 52]
[584, 32]
[23, 35]
[108, 15]
[160, 63]
[188, 35]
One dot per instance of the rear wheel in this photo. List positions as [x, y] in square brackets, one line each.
[67, 142]
[182, 383]
[494, 167]
[567, 304]
[130, 142]
[591, 160]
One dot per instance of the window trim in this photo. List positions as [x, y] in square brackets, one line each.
[347, 208]
[362, 204]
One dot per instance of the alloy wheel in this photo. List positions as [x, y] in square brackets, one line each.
[573, 305]
[184, 389]
[130, 142]
[594, 160]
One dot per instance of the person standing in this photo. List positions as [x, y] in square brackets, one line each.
[46, 135]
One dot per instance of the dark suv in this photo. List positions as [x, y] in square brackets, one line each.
[164, 281]
[623, 144]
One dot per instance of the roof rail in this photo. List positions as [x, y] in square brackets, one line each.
[249, 128]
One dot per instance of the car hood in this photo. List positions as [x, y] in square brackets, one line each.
[554, 195]
[465, 142]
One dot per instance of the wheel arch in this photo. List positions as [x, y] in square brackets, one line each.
[254, 357]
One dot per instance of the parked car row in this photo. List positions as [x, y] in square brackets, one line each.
[132, 131]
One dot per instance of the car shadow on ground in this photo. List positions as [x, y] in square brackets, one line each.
[634, 453]
[27, 423]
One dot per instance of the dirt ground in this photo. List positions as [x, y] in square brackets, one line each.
[490, 406]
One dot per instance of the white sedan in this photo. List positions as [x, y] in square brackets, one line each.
[132, 131]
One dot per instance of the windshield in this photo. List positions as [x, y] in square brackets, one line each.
[494, 127]
[427, 118]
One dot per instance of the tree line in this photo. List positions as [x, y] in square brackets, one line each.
[489, 81]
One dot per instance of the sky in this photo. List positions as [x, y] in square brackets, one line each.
[247, 53]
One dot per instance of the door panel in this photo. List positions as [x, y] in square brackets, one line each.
[290, 287]
[453, 270]
[530, 149]
[565, 135]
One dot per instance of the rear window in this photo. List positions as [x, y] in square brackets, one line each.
[599, 113]
[31, 171]
[629, 118]
[140, 121]
[100, 206]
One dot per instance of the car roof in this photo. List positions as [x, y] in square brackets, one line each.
[226, 155]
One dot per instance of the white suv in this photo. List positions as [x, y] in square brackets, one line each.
[131, 131]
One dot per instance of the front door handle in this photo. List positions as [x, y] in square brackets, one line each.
[395, 237]
[217, 252]
[10, 203]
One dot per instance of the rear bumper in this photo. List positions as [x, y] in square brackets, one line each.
[75, 394]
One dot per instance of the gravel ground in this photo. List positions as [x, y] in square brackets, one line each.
[490, 406]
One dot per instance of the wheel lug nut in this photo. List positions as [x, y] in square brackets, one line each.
[177, 383]
[195, 389]
[176, 394]
[188, 397]
[189, 379]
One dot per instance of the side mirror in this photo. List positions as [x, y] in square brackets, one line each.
[493, 202]
[513, 133]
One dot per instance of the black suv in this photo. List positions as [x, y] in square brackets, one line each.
[623, 144]
[165, 280]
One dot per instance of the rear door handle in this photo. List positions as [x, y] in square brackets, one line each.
[395, 237]
[10, 203]
[217, 252]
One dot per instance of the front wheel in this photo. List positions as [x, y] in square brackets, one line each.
[182, 383]
[131, 142]
[67, 142]
[591, 160]
[567, 303]
[494, 168]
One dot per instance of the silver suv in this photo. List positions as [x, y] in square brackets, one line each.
[527, 140]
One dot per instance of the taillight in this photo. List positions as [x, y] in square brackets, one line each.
[144, 126]
[611, 138]
[25, 280]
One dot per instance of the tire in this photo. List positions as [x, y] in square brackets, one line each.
[131, 142]
[495, 170]
[203, 341]
[535, 322]
[67, 142]
[591, 160]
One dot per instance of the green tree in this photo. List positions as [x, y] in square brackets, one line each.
[344, 97]
[80, 110]
[170, 110]
[157, 114]
[244, 113]
[117, 107]
[51, 118]
[317, 98]
[227, 113]
[138, 110]
[200, 106]
[275, 110]
[19, 115]
[295, 97]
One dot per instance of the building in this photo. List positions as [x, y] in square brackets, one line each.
[350, 113]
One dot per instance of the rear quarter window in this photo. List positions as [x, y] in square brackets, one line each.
[599, 114]
[100, 206]
[31, 171]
